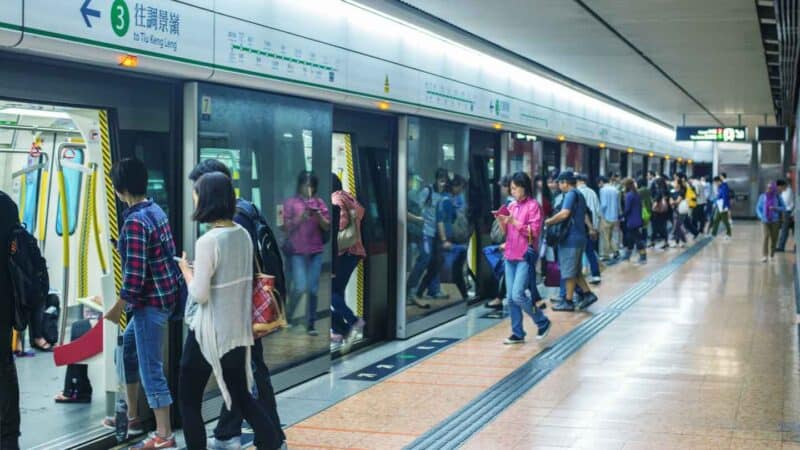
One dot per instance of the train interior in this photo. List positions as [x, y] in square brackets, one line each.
[54, 164]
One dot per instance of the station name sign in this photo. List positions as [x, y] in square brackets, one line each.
[714, 134]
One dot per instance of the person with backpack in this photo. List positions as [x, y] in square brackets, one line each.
[661, 212]
[307, 222]
[434, 242]
[350, 251]
[769, 209]
[228, 432]
[219, 313]
[572, 243]
[9, 383]
[522, 223]
[722, 207]
[150, 290]
[633, 222]
[458, 229]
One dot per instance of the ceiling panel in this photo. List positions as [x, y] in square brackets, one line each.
[711, 47]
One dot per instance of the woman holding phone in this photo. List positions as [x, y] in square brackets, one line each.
[306, 220]
[522, 223]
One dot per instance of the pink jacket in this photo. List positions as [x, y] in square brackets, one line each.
[347, 203]
[526, 231]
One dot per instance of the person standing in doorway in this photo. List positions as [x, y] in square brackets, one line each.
[228, 432]
[609, 220]
[787, 222]
[150, 290]
[9, 383]
[522, 226]
[570, 250]
[769, 209]
[593, 206]
[219, 314]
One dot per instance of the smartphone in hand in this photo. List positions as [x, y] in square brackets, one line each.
[503, 211]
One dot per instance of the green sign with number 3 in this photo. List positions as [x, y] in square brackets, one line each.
[120, 18]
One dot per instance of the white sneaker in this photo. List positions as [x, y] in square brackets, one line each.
[595, 280]
[764, 259]
[231, 444]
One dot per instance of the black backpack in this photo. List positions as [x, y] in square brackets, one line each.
[30, 282]
[268, 253]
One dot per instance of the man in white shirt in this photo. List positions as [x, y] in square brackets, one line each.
[593, 205]
[699, 211]
[788, 216]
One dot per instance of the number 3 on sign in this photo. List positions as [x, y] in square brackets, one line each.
[120, 18]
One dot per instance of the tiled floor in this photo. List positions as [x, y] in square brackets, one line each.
[630, 374]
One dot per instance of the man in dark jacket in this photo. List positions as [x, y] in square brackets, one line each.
[9, 384]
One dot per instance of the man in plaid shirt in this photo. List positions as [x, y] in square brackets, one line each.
[150, 290]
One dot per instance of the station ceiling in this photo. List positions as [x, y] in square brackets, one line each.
[666, 58]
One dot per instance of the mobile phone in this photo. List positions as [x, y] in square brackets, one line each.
[503, 211]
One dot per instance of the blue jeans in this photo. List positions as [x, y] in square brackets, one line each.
[422, 263]
[141, 350]
[517, 273]
[591, 255]
[340, 312]
[306, 270]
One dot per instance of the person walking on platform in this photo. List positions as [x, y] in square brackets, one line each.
[680, 206]
[228, 432]
[9, 383]
[570, 249]
[522, 226]
[609, 209]
[699, 211]
[787, 222]
[593, 206]
[722, 206]
[150, 290]
[633, 222]
[661, 212]
[219, 315]
[769, 209]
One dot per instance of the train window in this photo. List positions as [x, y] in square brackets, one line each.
[72, 184]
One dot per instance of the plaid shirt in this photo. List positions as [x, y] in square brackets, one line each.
[150, 276]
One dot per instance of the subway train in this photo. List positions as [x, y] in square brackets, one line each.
[330, 89]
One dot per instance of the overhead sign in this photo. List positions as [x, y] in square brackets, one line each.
[398, 361]
[771, 134]
[714, 134]
[157, 27]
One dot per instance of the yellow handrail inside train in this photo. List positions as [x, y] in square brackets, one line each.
[95, 220]
[62, 197]
[23, 191]
[41, 214]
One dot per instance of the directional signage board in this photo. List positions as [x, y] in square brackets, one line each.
[10, 22]
[160, 28]
[392, 364]
[714, 134]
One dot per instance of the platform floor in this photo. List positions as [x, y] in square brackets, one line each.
[698, 349]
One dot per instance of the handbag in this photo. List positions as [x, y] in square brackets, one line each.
[660, 206]
[268, 313]
[348, 237]
[552, 274]
[645, 215]
[497, 235]
[683, 207]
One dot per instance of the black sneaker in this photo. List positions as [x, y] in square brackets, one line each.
[563, 305]
[587, 300]
[514, 339]
[543, 332]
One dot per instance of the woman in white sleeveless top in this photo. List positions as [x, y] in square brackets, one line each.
[218, 313]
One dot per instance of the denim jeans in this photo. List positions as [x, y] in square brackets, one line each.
[423, 261]
[591, 255]
[306, 270]
[517, 273]
[141, 349]
[340, 312]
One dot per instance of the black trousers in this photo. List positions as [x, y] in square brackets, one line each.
[230, 422]
[194, 374]
[9, 383]
[659, 224]
[699, 218]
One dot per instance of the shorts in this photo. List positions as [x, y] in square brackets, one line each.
[570, 261]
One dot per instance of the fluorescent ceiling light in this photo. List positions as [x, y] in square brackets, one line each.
[35, 113]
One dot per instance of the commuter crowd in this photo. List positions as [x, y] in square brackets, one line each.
[230, 296]
[559, 224]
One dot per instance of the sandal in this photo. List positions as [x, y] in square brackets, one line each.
[61, 398]
[45, 347]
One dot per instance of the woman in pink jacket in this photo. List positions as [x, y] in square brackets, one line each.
[522, 224]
